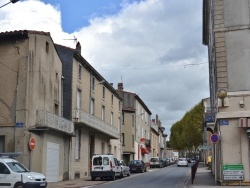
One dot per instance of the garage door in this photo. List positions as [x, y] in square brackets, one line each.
[52, 165]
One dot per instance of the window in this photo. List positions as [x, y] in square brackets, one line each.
[111, 118]
[133, 120]
[78, 103]
[93, 83]
[47, 47]
[77, 144]
[56, 109]
[112, 99]
[79, 72]
[103, 92]
[122, 139]
[122, 118]
[133, 140]
[92, 106]
[4, 169]
[103, 113]
[57, 80]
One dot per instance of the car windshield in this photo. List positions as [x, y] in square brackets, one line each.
[17, 167]
[154, 159]
[135, 162]
[182, 159]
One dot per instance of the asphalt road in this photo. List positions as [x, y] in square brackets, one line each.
[171, 176]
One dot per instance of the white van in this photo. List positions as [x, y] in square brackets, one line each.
[15, 175]
[105, 166]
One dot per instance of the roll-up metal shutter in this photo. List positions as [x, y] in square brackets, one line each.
[52, 164]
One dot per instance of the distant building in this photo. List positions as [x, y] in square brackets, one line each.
[135, 129]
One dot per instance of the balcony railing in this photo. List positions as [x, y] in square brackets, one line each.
[50, 120]
[96, 123]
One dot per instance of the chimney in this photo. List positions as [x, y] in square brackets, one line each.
[78, 47]
[120, 86]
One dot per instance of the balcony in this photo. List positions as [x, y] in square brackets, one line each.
[49, 120]
[86, 119]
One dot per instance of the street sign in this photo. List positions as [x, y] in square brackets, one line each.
[214, 138]
[233, 172]
[19, 124]
[233, 177]
[32, 143]
[224, 122]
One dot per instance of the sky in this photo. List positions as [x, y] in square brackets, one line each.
[154, 47]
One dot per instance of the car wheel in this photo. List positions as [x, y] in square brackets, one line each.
[92, 178]
[19, 185]
[121, 175]
[113, 177]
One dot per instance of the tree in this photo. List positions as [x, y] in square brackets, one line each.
[186, 134]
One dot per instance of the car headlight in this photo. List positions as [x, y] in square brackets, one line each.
[31, 178]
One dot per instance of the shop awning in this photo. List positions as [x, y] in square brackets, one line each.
[144, 151]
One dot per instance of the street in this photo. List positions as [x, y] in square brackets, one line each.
[171, 176]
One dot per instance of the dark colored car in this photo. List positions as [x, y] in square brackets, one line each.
[165, 162]
[137, 166]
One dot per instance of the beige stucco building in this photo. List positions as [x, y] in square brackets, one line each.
[135, 128]
[31, 103]
[95, 108]
[226, 33]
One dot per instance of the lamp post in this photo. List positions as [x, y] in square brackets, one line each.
[11, 1]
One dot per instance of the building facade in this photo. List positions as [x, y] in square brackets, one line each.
[135, 127]
[94, 107]
[226, 33]
[31, 103]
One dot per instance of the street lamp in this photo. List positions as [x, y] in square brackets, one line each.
[11, 1]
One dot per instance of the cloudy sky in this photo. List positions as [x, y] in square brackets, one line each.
[153, 46]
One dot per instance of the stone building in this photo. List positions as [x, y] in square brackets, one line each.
[31, 103]
[95, 108]
[226, 34]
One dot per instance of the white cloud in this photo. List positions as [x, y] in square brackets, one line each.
[146, 45]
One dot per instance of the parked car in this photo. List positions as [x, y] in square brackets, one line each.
[105, 166]
[125, 168]
[182, 162]
[155, 162]
[165, 162]
[14, 174]
[193, 160]
[137, 166]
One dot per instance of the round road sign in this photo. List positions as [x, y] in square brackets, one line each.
[214, 138]
[32, 143]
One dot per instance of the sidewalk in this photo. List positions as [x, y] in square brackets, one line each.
[203, 178]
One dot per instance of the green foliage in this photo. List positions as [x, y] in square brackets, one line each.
[186, 134]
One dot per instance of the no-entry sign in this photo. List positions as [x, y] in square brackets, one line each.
[32, 143]
[214, 138]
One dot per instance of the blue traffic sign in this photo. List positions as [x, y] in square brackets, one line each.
[214, 138]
